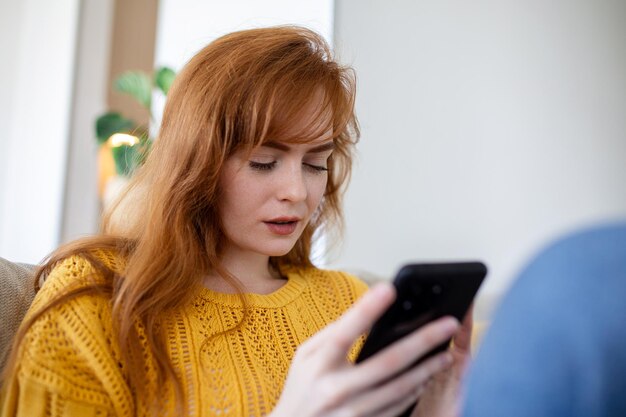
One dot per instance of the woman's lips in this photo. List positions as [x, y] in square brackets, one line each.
[282, 226]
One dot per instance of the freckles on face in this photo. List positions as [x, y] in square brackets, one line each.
[269, 196]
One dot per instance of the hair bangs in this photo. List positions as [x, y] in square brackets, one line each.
[312, 110]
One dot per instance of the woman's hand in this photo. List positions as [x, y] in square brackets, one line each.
[323, 382]
[441, 398]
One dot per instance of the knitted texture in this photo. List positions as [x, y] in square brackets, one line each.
[17, 290]
[70, 363]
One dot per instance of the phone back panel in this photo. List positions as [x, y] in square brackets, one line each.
[425, 292]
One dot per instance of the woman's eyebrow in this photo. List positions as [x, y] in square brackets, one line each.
[330, 145]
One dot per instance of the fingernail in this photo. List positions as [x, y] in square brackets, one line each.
[450, 324]
[382, 288]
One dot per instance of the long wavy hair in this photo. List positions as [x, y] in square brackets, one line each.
[239, 91]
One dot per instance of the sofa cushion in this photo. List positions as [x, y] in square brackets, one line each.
[17, 290]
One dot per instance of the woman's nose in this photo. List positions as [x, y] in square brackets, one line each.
[292, 186]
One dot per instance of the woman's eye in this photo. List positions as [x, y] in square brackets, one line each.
[262, 166]
[316, 168]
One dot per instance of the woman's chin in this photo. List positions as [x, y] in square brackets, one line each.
[278, 253]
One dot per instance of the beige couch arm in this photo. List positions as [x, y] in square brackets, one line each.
[17, 290]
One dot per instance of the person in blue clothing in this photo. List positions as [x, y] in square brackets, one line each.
[557, 346]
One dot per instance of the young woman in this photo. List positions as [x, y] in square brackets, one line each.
[199, 298]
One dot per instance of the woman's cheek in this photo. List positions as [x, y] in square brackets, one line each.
[320, 189]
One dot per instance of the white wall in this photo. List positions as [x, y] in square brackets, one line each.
[40, 48]
[489, 127]
[185, 26]
[10, 16]
[81, 206]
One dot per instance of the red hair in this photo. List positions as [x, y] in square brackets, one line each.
[239, 91]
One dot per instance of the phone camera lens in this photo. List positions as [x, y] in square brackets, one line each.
[436, 289]
[407, 305]
[416, 288]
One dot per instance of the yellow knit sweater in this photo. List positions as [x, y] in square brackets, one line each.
[69, 362]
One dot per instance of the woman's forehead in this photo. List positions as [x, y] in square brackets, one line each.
[312, 124]
[311, 141]
[318, 146]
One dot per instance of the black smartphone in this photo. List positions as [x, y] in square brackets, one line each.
[425, 292]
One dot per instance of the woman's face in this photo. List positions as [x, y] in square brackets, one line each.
[269, 196]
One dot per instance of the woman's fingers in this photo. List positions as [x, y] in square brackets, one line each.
[400, 355]
[394, 410]
[395, 395]
[463, 339]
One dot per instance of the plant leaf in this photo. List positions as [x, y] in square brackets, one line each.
[110, 123]
[137, 84]
[164, 78]
[127, 159]
[144, 147]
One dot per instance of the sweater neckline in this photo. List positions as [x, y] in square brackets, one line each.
[282, 296]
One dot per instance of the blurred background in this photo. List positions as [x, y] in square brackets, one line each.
[489, 127]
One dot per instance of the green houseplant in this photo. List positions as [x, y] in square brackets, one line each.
[128, 142]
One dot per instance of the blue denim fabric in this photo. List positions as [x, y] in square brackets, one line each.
[557, 345]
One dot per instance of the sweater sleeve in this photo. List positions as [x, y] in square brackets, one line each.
[67, 363]
[25, 397]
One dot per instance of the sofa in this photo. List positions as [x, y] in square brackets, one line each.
[17, 290]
